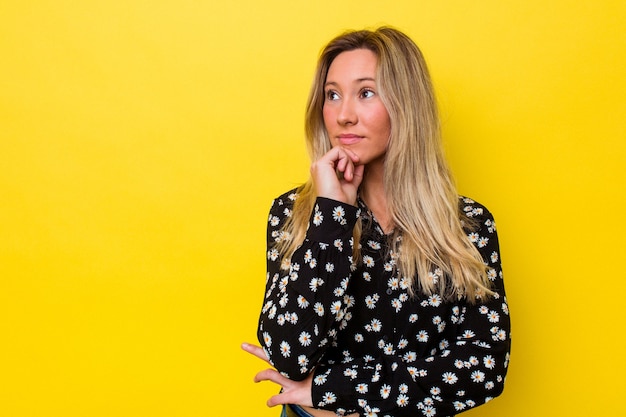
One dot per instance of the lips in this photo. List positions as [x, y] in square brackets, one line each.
[349, 139]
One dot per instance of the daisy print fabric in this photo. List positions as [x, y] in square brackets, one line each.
[373, 348]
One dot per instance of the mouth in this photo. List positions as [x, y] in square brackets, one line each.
[349, 139]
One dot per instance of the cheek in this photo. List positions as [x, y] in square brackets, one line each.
[385, 122]
[327, 116]
[381, 119]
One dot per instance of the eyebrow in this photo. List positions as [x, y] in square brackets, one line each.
[358, 80]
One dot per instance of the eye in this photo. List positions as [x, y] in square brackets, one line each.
[367, 93]
[332, 95]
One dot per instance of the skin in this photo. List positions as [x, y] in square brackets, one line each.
[359, 127]
[293, 392]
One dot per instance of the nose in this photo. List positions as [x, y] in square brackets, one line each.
[347, 113]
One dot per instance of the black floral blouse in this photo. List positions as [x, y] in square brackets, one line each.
[373, 348]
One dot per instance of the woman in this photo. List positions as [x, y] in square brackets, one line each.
[384, 289]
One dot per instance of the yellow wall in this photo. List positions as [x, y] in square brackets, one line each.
[142, 142]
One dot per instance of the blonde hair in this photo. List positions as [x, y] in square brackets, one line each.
[421, 195]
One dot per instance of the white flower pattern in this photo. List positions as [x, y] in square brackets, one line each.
[374, 349]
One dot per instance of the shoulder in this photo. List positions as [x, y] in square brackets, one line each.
[284, 202]
[287, 199]
[475, 215]
[472, 208]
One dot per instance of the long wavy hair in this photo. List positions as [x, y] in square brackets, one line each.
[432, 250]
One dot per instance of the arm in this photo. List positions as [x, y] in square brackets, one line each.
[466, 371]
[304, 305]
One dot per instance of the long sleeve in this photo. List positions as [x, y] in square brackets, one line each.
[305, 304]
[444, 359]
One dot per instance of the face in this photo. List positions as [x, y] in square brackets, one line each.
[354, 114]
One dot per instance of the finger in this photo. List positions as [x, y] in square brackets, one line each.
[280, 399]
[349, 174]
[357, 175]
[341, 163]
[271, 375]
[276, 400]
[351, 154]
[351, 161]
[294, 392]
[346, 154]
[289, 395]
[256, 351]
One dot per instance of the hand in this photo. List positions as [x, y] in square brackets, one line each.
[293, 392]
[337, 175]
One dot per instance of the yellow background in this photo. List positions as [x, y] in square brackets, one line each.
[143, 141]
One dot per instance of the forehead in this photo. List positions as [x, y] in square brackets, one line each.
[355, 64]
